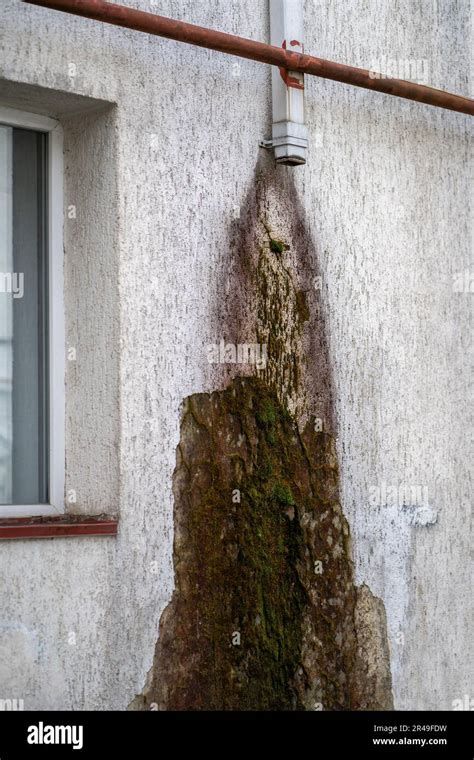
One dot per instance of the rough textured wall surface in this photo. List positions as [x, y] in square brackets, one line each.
[385, 195]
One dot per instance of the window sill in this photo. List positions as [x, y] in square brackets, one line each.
[61, 526]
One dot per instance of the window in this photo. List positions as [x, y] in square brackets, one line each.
[31, 316]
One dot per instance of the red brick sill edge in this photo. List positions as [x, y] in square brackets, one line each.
[60, 526]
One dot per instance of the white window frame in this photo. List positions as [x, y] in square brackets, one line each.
[56, 326]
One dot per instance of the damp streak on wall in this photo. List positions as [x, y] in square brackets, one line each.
[265, 614]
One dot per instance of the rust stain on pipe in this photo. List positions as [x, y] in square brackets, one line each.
[256, 51]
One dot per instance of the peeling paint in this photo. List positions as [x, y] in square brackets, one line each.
[262, 558]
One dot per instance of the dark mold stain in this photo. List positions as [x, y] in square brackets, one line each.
[265, 614]
[266, 293]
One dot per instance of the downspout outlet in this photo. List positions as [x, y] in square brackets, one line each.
[289, 133]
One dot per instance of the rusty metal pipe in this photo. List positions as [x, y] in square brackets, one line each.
[256, 51]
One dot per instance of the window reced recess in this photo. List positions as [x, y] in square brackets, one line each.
[24, 405]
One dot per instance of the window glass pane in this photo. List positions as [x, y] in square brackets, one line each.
[23, 318]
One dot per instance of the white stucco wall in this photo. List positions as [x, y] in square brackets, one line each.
[160, 152]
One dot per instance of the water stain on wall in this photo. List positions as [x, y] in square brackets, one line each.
[265, 614]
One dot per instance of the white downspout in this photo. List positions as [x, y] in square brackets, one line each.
[289, 133]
